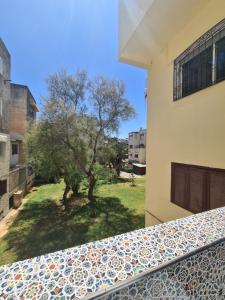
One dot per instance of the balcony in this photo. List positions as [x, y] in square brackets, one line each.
[145, 26]
[181, 259]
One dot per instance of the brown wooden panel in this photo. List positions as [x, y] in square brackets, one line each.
[197, 192]
[217, 189]
[197, 188]
[179, 187]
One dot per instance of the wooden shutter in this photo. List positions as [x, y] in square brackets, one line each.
[217, 189]
[197, 189]
[179, 185]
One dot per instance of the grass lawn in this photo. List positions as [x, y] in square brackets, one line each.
[43, 226]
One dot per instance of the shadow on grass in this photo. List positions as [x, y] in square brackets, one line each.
[115, 180]
[43, 227]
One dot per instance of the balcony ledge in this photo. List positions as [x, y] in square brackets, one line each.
[94, 269]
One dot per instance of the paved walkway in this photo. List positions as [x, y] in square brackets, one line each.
[128, 175]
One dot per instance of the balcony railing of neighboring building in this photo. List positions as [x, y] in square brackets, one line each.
[181, 259]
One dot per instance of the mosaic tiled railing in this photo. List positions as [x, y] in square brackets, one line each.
[182, 259]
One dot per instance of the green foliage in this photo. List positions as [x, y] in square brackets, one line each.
[78, 115]
[132, 180]
[73, 178]
[127, 167]
[43, 154]
[42, 226]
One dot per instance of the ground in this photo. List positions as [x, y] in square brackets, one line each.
[43, 226]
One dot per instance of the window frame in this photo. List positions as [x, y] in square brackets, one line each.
[210, 38]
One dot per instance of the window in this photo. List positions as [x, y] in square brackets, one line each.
[2, 149]
[131, 155]
[3, 187]
[220, 59]
[197, 72]
[131, 146]
[136, 155]
[14, 149]
[197, 188]
[202, 64]
[142, 136]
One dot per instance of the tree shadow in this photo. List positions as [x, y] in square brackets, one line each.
[43, 226]
[115, 180]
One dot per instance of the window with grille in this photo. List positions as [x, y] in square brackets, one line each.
[202, 64]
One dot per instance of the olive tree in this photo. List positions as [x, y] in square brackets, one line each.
[78, 116]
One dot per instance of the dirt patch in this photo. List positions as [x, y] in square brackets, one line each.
[128, 175]
[9, 218]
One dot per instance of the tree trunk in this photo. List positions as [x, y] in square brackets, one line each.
[118, 171]
[75, 189]
[66, 191]
[92, 182]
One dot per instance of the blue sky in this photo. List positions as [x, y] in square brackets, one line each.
[44, 36]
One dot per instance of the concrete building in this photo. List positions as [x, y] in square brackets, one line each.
[137, 146]
[4, 128]
[22, 117]
[17, 116]
[182, 45]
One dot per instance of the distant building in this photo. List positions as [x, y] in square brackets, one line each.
[137, 146]
[22, 117]
[17, 116]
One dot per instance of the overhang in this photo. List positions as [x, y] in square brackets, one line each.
[15, 137]
[145, 26]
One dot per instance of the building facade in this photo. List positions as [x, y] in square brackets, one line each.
[4, 128]
[137, 146]
[22, 117]
[17, 116]
[181, 44]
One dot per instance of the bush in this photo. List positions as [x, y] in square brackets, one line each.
[127, 168]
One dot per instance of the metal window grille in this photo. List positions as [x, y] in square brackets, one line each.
[202, 64]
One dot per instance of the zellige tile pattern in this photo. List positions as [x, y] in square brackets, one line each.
[90, 269]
